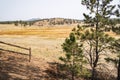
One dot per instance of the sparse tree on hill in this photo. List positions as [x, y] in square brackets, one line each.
[25, 24]
[16, 23]
[20, 22]
[30, 23]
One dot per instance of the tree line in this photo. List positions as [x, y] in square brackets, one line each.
[17, 23]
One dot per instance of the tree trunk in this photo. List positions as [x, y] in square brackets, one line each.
[96, 47]
[118, 76]
[72, 76]
[93, 74]
[73, 65]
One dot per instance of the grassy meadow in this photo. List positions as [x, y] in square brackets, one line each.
[45, 43]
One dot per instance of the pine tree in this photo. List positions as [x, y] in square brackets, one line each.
[88, 37]
[100, 12]
[73, 60]
[116, 61]
[16, 23]
[116, 45]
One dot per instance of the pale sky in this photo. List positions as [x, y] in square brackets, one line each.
[27, 9]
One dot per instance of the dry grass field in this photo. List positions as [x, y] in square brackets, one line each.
[50, 32]
[45, 43]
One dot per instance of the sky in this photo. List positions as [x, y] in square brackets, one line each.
[28, 9]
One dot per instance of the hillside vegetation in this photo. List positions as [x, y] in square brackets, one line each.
[56, 21]
[44, 22]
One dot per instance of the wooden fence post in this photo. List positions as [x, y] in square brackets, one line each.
[29, 54]
[29, 49]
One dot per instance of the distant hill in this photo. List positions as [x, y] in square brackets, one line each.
[44, 22]
[56, 21]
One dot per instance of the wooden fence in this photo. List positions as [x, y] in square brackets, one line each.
[29, 49]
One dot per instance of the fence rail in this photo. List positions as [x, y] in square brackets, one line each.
[29, 49]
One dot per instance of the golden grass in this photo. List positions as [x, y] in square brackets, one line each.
[52, 32]
[44, 41]
[112, 34]
[43, 48]
[49, 32]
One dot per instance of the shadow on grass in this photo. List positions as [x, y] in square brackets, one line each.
[16, 67]
[54, 72]
[57, 71]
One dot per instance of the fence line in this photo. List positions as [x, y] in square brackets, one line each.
[14, 45]
[29, 49]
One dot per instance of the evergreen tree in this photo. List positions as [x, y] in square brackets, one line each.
[16, 23]
[88, 37]
[73, 60]
[116, 45]
[102, 10]
[116, 61]
[21, 22]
